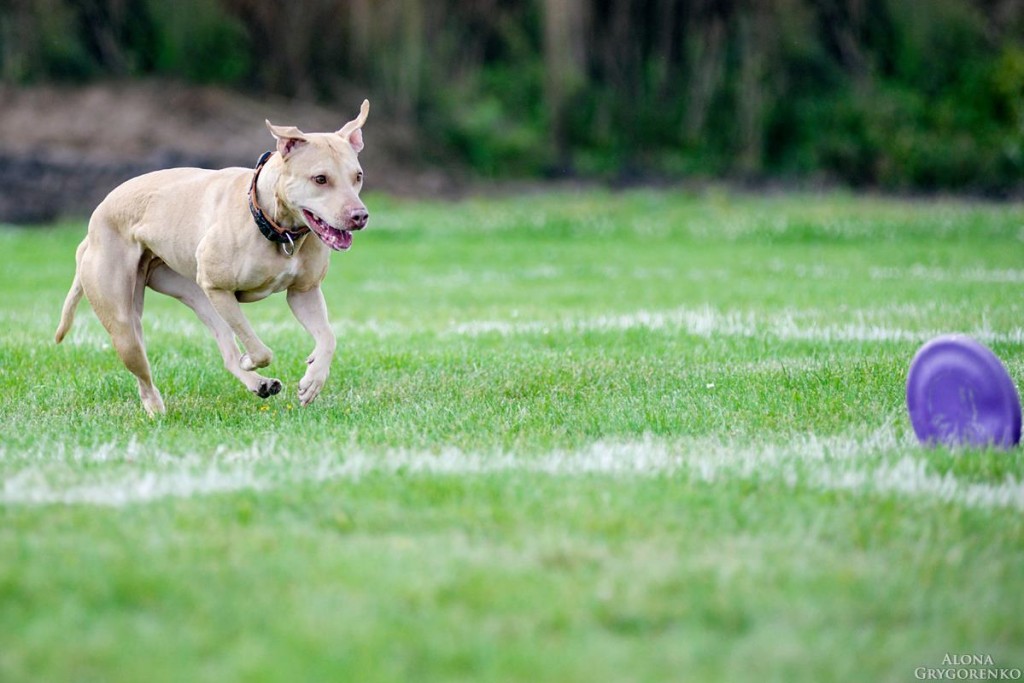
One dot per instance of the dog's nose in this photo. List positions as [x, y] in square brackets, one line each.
[358, 218]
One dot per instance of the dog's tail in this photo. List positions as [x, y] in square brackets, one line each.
[67, 314]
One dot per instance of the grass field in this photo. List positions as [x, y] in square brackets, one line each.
[567, 437]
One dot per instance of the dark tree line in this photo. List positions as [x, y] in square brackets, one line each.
[895, 93]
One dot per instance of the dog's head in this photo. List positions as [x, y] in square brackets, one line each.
[321, 178]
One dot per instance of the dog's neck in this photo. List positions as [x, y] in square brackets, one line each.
[268, 198]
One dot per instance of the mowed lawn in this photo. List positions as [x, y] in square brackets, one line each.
[587, 436]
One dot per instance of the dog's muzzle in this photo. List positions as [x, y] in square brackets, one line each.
[339, 239]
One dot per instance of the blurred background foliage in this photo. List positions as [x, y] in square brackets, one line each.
[899, 94]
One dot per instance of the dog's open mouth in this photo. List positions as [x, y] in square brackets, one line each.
[336, 239]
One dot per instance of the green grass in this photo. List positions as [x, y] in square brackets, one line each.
[567, 437]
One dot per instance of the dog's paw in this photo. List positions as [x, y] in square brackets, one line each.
[309, 389]
[250, 362]
[267, 388]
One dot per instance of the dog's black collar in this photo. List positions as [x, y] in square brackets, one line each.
[271, 230]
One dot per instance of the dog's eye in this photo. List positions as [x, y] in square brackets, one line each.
[320, 179]
[359, 177]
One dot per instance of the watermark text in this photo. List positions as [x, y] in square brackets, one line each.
[967, 667]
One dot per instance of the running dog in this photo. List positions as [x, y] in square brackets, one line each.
[215, 239]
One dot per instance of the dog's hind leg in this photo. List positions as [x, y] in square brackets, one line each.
[166, 281]
[109, 275]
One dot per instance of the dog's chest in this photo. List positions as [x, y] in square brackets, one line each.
[264, 284]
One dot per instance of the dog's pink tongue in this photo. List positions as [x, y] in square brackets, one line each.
[338, 240]
[344, 240]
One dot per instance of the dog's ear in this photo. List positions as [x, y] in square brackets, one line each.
[288, 138]
[353, 130]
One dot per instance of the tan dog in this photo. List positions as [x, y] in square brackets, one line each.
[202, 237]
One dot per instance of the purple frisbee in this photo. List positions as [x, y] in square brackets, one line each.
[959, 394]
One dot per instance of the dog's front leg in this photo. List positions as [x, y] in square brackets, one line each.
[310, 310]
[256, 355]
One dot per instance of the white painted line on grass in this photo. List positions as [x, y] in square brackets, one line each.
[909, 477]
[936, 274]
[874, 463]
[708, 323]
[890, 324]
